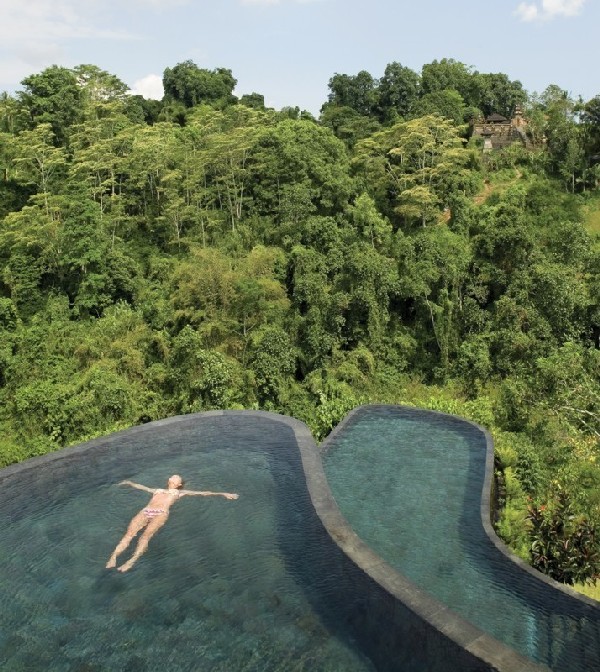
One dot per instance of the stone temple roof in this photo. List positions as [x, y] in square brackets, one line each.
[496, 118]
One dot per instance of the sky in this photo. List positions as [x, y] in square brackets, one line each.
[288, 50]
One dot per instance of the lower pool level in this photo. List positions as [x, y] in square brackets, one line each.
[409, 483]
[225, 586]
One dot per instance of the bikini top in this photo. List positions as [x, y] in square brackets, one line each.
[174, 492]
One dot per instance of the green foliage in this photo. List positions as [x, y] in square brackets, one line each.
[510, 525]
[371, 225]
[273, 361]
[11, 452]
[188, 84]
[299, 169]
[497, 94]
[53, 97]
[398, 91]
[8, 315]
[447, 103]
[407, 164]
[255, 100]
[358, 92]
[473, 363]
[333, 400]
[563, 545]
[200, 379]
[347, 124]
[448, 74]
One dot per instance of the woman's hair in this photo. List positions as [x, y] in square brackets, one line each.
[180, 480]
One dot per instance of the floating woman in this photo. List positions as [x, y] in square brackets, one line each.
[153, 517]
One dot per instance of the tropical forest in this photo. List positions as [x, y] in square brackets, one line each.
[429, 238]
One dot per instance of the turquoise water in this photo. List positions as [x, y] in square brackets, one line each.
[409, 484]
[224, 586]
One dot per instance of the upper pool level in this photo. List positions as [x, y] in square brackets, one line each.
[414, 486]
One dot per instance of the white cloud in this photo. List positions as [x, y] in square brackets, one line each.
[562, 7]
[527, 12]
[543, 10]
[150, 86]
[37, 33]
[49, 21]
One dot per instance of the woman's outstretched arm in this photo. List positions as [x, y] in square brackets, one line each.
[207, 493]
[138, 486]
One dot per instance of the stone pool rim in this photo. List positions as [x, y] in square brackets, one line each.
[495, 655]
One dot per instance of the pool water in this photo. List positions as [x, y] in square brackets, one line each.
[224, 586]
[409, 483]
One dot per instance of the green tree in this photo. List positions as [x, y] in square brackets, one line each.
[298, 168]
[190, 85]
[318, 305]
[433, 273]
[447, 103]
[563, 136]
[100, 149]
[254, 100]
[504, 242]
[358, 92]
[153, 177]
[347, 124]
[369, 222]
[53, 97]
[567, 385]
[228, 153]
[498, 94]
[590, 119]
[98, 86]
[368, 281]
[92, 271]
[38, 162]
[201, 379]
[398, 91]
[29, 252]
[13, 116]
[450, 74]
[273, 362]
[408, 165]
[259, 297]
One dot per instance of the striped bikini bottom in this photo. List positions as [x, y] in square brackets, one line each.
[152, 513]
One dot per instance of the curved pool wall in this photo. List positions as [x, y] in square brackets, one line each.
[564, 633]
[357, 597]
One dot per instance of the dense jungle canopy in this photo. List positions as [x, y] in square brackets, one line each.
[204, 251]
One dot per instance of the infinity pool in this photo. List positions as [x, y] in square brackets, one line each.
[409, 484]
[225, 586]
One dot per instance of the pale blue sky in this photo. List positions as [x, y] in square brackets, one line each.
[288, 49]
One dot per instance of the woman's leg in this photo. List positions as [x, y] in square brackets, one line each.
[138, 522]
[153, 526]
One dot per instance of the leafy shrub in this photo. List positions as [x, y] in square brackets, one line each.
[564, 545]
